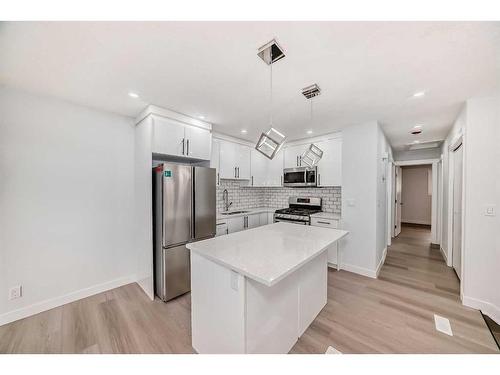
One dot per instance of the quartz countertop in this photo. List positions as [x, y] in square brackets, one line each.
[248, 211]
[268, 253]
[326, 215]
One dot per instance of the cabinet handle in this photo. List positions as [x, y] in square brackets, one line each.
[319, 179]
[281, 180]
[252, 180]
[324, 222]
[234, 172]
[297, 160]
[238, 169]
[300, 161]
[218, 179]
[187, 152]
[182, 146]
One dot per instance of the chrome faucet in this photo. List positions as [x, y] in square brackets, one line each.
[225, 199]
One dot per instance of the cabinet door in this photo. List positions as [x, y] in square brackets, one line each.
[168, 137]
[258, 167]
[263, 218]
[227, 163]
[243, 161]
[221, 228]
[198, 142]
[330, 165]
[253, 221]
[214, 158]
[275, 170]
[235, 224]
[293, 155]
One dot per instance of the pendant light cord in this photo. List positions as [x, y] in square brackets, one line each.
[271, 88]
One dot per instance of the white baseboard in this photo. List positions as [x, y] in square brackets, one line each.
[487, 308]
[382, 260]
[51, 303]
[359, 270]
[443, 253]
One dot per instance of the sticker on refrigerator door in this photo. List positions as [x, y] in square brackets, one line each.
[167, 173]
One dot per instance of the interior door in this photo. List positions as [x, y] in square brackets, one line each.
[457, 210]
[398, 203]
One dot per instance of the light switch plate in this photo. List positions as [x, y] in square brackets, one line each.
[15, 292]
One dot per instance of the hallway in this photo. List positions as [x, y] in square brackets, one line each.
[395, 313]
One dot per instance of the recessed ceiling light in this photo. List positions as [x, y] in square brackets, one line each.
[419, 94]
[309, 132]
[417, 127]
[244, 131]
[201, 117]
[133, 95]
[416, 141]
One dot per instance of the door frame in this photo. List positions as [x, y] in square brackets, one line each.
[459, 140]
[435, 192]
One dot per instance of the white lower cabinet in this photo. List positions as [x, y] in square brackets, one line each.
[235, 224]
[334, 250]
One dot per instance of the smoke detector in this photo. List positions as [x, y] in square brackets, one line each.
[311, 91]
[271, 52]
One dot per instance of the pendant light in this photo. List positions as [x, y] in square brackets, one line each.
[313, 154]
[271, 141]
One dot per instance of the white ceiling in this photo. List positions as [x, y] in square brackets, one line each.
[366, 70]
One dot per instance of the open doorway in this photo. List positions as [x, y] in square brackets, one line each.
[456, 246]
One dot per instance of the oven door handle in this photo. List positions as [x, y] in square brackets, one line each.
[276, 220]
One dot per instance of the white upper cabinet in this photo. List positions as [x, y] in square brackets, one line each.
[275, 170]
[266, 172]
[198, 142]
[293, 155]
[168, 137]
[259, 166]
[330, 165]
[172, 137]
[215, 158]
[234, 161]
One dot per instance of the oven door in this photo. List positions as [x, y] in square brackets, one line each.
[299, 177]
[277, 220]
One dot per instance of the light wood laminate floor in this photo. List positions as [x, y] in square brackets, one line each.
[392, 314]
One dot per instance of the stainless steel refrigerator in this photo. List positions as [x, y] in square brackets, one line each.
[184, 210]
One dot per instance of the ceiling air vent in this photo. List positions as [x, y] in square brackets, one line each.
[311, 91]
[271, 52]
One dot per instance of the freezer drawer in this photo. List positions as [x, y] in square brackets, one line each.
[204, 202]
[176, 272]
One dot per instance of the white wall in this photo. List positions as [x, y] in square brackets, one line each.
[416, 196]
[66, 202]
[481, 273]
[424, 154]
[364, 205]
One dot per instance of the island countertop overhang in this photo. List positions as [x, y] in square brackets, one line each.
[269, 253]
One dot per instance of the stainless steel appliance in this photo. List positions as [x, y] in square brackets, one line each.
[299, 210]
[300, 176]
[184, 210]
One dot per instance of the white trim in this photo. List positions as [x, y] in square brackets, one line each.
[486, 307]
[318, 138]
[225, 137]
[443, 253]
[382, 261]
[51, 303]
[434, 203]
[403, 163]
[167, 113]
[359, 270]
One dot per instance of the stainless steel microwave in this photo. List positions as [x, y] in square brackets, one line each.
[300, 177]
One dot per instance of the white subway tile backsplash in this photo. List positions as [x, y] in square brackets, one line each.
[251, 197]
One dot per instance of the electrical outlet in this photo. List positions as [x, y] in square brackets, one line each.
[15, 292]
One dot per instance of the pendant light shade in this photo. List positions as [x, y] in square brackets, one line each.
[312, 155]
[270, 143]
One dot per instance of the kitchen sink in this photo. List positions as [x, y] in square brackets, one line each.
[233, 212]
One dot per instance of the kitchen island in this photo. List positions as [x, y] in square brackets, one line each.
[258, 290]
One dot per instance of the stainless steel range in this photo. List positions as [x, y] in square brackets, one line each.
[299, 210]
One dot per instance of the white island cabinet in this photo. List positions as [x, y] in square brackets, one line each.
[258, 290]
